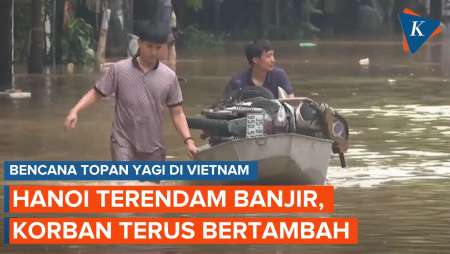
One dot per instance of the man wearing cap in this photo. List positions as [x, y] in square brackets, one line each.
[143, 86]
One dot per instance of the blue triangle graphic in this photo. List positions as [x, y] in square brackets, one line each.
[417, 30]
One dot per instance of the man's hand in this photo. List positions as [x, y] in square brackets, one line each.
[191, 148]
[88, 99]
[71, 120]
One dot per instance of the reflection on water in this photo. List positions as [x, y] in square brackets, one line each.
[398, 108]
[412, 142]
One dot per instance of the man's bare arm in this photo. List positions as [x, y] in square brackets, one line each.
[88, 99]
[180, 123]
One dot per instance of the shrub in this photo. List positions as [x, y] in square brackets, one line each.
[77, 42]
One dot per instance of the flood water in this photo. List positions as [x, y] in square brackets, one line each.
[398, 108]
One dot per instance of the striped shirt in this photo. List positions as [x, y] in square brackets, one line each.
[140, 100]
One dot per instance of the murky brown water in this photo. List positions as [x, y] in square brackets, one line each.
[398, 108]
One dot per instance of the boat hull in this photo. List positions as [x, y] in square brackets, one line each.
[282, 158]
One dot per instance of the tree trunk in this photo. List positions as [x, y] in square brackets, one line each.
[179, 8]
[436, 9]
[265, 17]
[103, 35]
[59, 29]
[35, 63]
[163, 14]
[117, 32]
[277, 13]
[130, 15]
[216, 14]
[68, 13]
[5, 44]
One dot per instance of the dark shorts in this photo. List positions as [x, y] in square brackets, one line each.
[121, 152]
[129, 153]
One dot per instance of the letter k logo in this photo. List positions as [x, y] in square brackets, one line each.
[417, 30]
